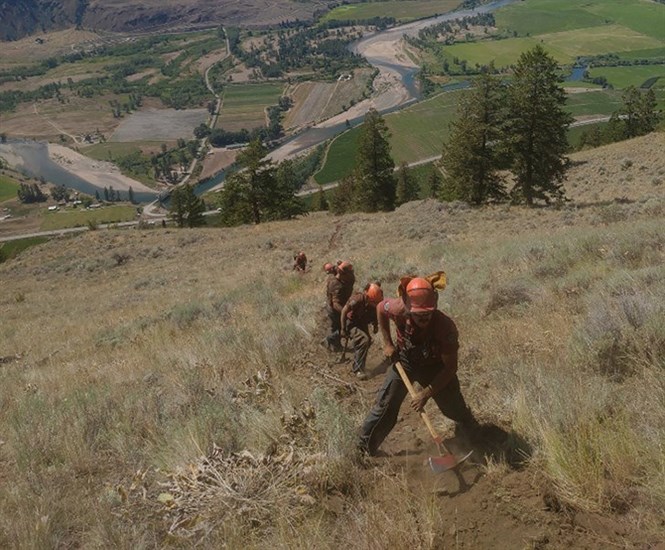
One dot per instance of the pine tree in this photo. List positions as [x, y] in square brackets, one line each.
[537, 126]
[407, 186]
[434, 186]
[283, 203]
[186, 208]
[374, 170]
[234, 201]
[472, 154]
[319, 201]
[342, 197]
[260, 191]
[638, 112]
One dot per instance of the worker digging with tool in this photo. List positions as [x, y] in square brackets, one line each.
[427, 344]
[338, 290]
[358, 313]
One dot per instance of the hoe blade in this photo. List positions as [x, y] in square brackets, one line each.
[443, 463]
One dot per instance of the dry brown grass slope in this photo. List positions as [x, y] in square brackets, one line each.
[165, 387]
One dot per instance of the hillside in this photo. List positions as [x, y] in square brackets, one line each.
[167, 387]
[24, 17]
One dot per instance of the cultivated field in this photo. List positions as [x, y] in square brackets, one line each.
[111, 149]
[245, 104]
[402, 10]
[159, 125]
[601, 102]
[82, 217]
[316, 101]
[416, 133]
[622, 77]
[162, 401]
[8, 188]
[563, 46]
[547, 16]
[48, 119]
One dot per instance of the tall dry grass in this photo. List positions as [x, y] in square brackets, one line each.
[199, 342]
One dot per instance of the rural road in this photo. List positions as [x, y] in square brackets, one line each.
[156, 216]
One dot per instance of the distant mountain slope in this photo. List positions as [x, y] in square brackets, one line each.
[24, 17]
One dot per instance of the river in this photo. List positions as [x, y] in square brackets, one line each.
[378, 48]
[32, 158]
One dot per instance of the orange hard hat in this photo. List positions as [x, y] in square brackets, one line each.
[345, 267]
[420, 296]
[328, 267]
[374, 293]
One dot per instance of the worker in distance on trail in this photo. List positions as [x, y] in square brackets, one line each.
[427, 344]
[358, 313]
[338, 290]
[300, 262]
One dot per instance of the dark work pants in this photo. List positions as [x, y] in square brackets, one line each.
[383, 416]
[361, 340]
[333, 337]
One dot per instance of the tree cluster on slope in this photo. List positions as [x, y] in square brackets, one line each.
[186, 208]
[372, 186]
[521, 126]
[637, 116]
[259, 191]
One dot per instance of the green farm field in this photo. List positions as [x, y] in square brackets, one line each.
[601, 102]
[549, 16]
[563, 46]
[8, 188]
[402, 10]
[244, 105]
[112, 149]
[416, 133]
[419, 132]
[76, 218]
[622, 77]
[340, 157]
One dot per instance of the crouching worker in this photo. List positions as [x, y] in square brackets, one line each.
[358, 313]
[427, 343]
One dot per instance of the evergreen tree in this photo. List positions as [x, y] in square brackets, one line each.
[342, 197]
[283, 203]
[374, 170]
[60, 193]
[319, 201]
[537, 126]
[260, 191]
[434, 183]
[186, 208]
[30, 193]
[472, 154]
[234, 201]
[638, 112]
[407, 186]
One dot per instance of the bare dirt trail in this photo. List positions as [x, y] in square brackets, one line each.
[488, 506]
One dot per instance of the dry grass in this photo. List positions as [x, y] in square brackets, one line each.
[148, 357]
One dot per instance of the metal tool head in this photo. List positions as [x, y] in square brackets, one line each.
[443, 463]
